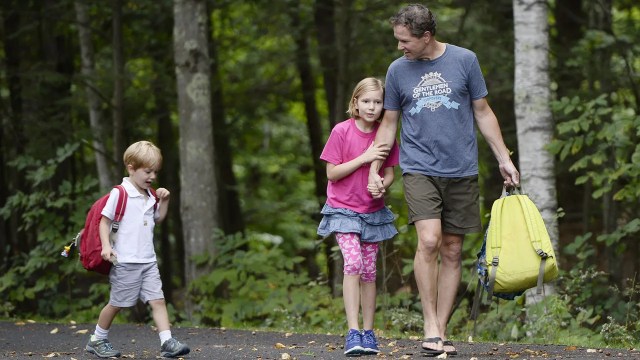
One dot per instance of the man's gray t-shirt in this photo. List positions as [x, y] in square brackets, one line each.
[438, 132]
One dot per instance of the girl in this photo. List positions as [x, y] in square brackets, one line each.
[358, 219]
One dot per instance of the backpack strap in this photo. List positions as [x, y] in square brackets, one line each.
[534, 235]
[121, 205]
[155, 196]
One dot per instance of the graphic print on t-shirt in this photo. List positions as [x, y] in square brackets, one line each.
[432, 93]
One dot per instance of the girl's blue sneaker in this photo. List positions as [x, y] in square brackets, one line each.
[369, 342]
[353, 344]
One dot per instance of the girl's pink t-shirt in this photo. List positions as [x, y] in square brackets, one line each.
[346, 143]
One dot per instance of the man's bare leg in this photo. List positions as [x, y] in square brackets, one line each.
[448, 280]
[425, 268]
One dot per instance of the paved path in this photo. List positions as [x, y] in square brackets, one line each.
[64, 341]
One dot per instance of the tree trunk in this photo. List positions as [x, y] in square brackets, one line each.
[324, 15]
[96, 119]
[16, 140]
[198, 207]
[117, 103]
[342, 50]
[314, 130]
[535, 126]
[230, 211]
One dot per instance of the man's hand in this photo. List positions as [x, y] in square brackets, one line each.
[375, 186]
[510, 174]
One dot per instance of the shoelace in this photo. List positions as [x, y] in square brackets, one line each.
[367, 338]
[352, 336]
[105, 344]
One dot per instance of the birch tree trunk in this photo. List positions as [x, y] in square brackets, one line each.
[96, 119]
[198, 197]
[535, 125]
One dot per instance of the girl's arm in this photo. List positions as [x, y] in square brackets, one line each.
[388, 177]
[374, 152]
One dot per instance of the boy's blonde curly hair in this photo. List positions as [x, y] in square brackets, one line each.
[143, 154]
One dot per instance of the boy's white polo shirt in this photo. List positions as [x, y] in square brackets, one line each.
[134, 241]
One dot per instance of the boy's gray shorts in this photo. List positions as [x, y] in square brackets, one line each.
[131, 281]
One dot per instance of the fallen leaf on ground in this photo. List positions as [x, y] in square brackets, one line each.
[285, 356]
[571, 348]
[287, 334]
[83, 331]
[279, 346]
[54, 331]
[592, 350]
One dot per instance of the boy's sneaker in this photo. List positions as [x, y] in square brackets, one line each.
[353, 344]
[102, 348]
[173, 348]
[369, 342]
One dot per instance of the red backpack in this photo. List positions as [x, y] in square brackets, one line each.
[90, 246]
[88, 239]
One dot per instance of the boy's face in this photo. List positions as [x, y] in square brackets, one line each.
[142, 178]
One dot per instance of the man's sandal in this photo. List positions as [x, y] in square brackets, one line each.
[431, 350]
[449, 348]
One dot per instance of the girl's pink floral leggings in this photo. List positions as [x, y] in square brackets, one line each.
[359, 257]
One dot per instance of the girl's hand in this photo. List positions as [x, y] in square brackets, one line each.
[374, 152]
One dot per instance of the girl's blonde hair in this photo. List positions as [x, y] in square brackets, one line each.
[143, 154]
[365, 85]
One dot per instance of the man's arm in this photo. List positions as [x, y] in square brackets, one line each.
[490, 129]
[385, 137]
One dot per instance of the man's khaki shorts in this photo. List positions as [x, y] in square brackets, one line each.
[453, 200]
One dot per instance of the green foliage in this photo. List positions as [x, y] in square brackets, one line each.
[256, 284]
[41, 282]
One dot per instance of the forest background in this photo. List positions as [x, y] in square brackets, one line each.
[241, 95]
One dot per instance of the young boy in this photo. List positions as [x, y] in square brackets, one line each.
[135, 274]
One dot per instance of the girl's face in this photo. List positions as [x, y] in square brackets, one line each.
[142, 178]
[369, 105]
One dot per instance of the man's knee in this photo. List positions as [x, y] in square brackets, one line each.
[429, 242]
[451, 249]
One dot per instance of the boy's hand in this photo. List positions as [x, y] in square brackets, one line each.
[107, 253]
[162, 193]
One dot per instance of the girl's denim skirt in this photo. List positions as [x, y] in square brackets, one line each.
[372, 227]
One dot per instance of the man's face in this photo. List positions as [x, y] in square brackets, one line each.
[412, 47]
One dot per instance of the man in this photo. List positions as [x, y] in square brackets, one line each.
[439, 90]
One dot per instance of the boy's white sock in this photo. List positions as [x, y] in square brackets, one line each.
[164, 336]
[100, 333]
